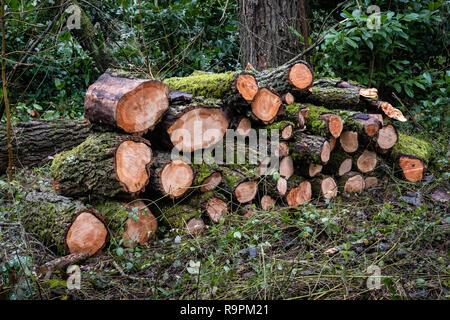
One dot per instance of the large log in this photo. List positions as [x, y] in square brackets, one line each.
[36, 142]
[412, 156]
[193, 125]
[120, 100]
[105, 165]
[66, 226]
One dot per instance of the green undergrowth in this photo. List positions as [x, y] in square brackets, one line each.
[277, 254]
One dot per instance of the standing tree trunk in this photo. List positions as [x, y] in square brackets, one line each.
[265, 28]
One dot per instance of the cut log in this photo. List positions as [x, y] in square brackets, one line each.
[368, 93]
[412, 156]
[349, 141]
[332, 142]
[170, 177]
[370, 182]
[310, 170]
[234, 88]
[243, 126]
[211, 182]
[36, 142]
[267, 203]
[195, 226]
[285, 129]
[295, 79]
[266, 105]
[387, 137]
[362, 123]
[339, 164]
[286, 167]
[351, 182]
[132, 222]
[246, 191]
[216, 208]
[367, 161]
[132, 104]
[300, 193]
[105, 165]
[319, 120]
[64, 225]
[309, 148]
[288, 98]
[324, 186]
[334, 97]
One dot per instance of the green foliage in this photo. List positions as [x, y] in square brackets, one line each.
[404, 56]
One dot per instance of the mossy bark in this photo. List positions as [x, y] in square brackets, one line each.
[49, 216]
[35, 142]
[307, 148]
[211, 85]
[334, 97]
[88, 170]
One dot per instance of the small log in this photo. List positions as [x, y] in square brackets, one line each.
[266, 105]
[412, 156]
[368, 93]
[324, 186]
[243, 126]
[132, 104]
[284, 127]
[366, 161]
[349, 141]
[170, 177]
[320, 121]
[310, 170]
[216, 208]
[370, 182]
[246, 191]
[64, 225]
[334, 97]
[299, 191]
[286, 167]
[339, 164]
[387, 137]
[195, 226]
[288, 98]
[35, 143]
[362, 123]
[105, 165]
[351, 182]
[211, 182]
[310, 148]
[267, 203]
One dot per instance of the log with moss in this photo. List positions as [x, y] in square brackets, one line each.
[104, 165]
[285, 129]
[309, 148]
[64, 225]
[122, 101]
[37, 142]
[318, 120]
[367, 93]
[295, 79]
[234, 88]
[132, 223]
[412, 156]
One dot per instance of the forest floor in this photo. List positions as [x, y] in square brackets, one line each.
[397, 226]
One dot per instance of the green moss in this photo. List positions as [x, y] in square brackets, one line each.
[203, 172]
[292, 110]
[178, 215]
[279, 125]
[408, 145]
[115, 213]
[210, 85]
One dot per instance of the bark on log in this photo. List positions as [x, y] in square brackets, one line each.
[36, 142]
[234, 88]
[310, 148]
[131, 222]
[412, 156]
[64, 225]
[105, 165]
[132, 104]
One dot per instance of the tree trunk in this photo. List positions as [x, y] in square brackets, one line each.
[264, 28]
[131, 104]
[36, 142]
[91, 40]
[105, 165]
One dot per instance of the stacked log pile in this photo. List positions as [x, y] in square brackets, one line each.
[333, 137]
